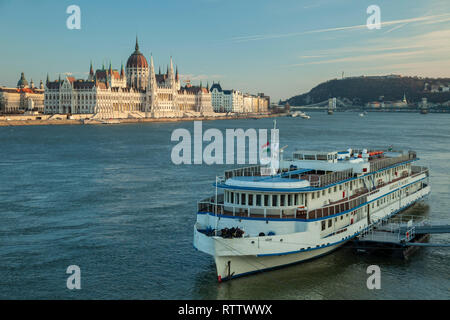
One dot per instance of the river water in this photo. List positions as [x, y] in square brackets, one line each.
[109, 200]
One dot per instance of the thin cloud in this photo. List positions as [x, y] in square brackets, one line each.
[361, 49]
[423, 54]
[395, 28]
[423, 19]
[200, 76]
[435, 68]
[313, 57]
[362, 58]
[432, 42]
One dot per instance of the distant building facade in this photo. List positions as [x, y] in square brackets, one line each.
[437, 87]
[389, 104]
[137, 89]
[237, 102]
[226, 100]
[263, 103]
[25, 97]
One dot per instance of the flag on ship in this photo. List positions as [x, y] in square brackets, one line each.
[266, 147]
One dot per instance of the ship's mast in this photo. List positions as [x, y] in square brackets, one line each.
[274, 149]
[215, 211]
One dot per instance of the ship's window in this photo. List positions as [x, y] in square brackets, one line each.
[323, 192]
[318, 194]
[232, 197]
[335, 189]
[330, 222]
[250, 199]
[258, 200]
[274, 200]
[266, 200]
[295, 199]
[312, 195]
[340, 187]
[329, 190]
[342, 217]
[289, 197]
[323, 225]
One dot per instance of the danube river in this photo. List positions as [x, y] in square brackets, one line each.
[109, 200]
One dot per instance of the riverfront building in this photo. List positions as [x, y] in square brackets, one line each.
[135, 91]
[25, 97]
[236, 101]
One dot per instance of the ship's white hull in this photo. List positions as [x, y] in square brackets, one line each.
[229, 267]
[241, 256]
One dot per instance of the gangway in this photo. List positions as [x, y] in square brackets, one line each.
[405, 233]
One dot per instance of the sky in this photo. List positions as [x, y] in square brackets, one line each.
[282, 48]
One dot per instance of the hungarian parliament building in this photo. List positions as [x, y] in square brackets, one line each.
[136, 91]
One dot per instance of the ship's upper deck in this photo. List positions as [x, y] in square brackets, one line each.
[312, 170]
[283, 180]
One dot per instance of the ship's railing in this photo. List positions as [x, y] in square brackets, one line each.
[209, 205]
[404, 219]
[228, 210]
[333, 209]
[278, 213]
[381, 163]
[322, 180]
[314, 180]
[246, 171]
[400, 228]
[336, 176]
[416, 170]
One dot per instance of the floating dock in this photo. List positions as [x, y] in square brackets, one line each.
[400, 236]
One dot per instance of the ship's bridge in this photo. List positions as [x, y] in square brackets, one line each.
[357, 160]
[316, 156]
[360, 161]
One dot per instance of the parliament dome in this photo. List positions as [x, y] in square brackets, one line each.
[137, 59]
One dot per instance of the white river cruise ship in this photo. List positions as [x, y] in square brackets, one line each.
[315, 203]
